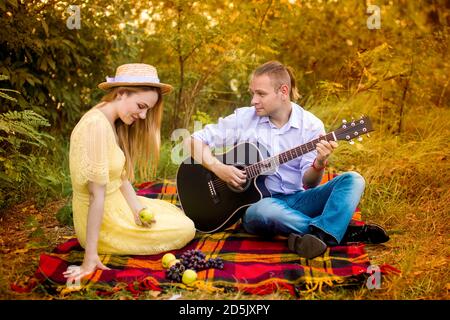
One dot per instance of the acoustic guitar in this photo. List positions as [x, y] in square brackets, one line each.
[214, 205]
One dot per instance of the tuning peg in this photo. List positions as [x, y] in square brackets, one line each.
[344, 121]
[351, 142]
[360, 138]
[368, 135]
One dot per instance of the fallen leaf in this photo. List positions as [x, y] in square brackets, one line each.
[36, 245]
[65, 290]
[21, 251]
[154, 293]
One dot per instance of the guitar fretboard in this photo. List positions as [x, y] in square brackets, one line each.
[271, 163]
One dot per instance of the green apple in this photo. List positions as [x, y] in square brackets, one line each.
[189, 276]
[167, 259]
[146, 215]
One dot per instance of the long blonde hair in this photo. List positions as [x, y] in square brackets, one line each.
[140, 141]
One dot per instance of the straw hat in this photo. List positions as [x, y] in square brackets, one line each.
[135, 74]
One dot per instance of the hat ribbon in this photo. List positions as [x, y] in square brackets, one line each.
[128, 78]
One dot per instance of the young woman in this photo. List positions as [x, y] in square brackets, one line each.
[120, 133]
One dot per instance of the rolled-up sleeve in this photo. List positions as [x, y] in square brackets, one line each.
[225, 132]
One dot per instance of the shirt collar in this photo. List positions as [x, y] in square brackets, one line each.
[294, 119]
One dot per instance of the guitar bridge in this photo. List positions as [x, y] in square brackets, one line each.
[213, 193]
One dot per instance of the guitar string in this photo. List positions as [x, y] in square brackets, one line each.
[219, 184]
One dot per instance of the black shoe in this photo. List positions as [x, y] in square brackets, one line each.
[308, 246]
[367, 233]
[325, 237]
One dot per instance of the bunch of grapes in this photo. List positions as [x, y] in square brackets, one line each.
[175, 272]
[195, 260]
[216, 263]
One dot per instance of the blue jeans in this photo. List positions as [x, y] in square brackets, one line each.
[329, 207]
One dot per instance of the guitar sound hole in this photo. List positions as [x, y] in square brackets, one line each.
[245, 186]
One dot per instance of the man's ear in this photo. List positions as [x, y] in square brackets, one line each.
[285, 90]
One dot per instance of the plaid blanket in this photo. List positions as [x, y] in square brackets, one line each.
[251, 264]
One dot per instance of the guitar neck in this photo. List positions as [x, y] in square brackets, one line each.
[271, 163]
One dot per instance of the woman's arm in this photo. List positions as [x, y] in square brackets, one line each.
[95, 216]
[91, 259]
[133, 201]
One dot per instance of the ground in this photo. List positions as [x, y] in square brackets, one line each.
[27, 231]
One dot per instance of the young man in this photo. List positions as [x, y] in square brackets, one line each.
[313, 217]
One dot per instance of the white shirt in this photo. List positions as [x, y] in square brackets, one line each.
[244, 125]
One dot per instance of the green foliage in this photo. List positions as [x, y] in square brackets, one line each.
[57, 68]
[202, 117]
[65, 214]
[167, 169]
[25, 165]
[22, 128]
[202, 47]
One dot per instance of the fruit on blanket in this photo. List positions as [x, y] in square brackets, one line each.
[167, 259]
[175, 272]
[193, 260]
[174, 262]
[146, 215]
[196, 260]
[189, 276]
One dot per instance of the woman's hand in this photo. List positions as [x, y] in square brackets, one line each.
[139, 222]
[134, 203]
[90, 264]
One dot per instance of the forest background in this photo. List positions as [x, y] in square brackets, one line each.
[386, 59]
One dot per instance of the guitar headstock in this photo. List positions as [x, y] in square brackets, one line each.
[356, 128]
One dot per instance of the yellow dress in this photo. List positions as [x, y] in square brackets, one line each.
[95, 156]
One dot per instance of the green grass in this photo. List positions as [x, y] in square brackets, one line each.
[407, 191]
